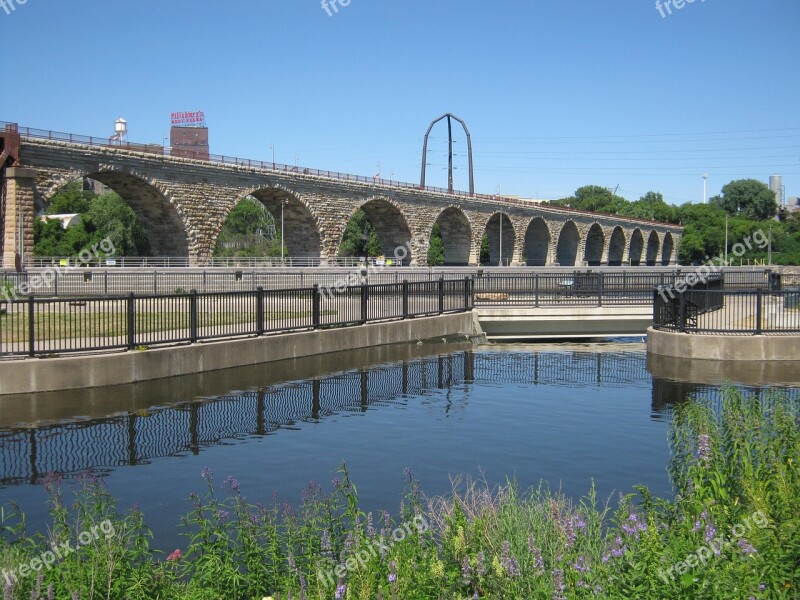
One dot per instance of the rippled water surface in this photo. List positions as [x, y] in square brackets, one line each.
[563, 415]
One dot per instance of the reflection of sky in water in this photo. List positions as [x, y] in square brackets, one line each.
[565, 418]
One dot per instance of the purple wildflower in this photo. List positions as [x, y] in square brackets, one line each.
[703, 447]
[325, 544]
[762, 587]
[341, 590]
[579, 565]
[207, 473]
[392, 571]
[746, 547]
[480, 567]
[234, 485]
[8, 593]
[466, 571]
[370, 527]
[538, 563]
[508, 561]
[223, 515]
[558, 584]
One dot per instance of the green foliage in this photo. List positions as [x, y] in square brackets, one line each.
[735, 469]
[485, 257]
[249, 230]
[106, 216]
[651, 206]
[748, 198]
[360, 238]
[436, 247]
[594, 198]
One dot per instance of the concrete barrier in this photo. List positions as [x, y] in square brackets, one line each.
[723, 347]
[88, 371]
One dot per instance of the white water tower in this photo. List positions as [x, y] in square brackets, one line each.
[120, 129]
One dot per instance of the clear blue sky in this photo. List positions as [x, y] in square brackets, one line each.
[557, 94]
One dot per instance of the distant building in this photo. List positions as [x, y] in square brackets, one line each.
[793, 204]
[67, 220]
[189, 142]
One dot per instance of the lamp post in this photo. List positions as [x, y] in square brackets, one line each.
[726, 240]
[284, 202]
[705, 188]
[501, 239]
[272, 147]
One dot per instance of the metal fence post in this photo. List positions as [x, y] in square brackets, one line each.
[682, 313]
[55, 283]
[315, 305]
[466, 294]
[600, 290]
[131, 321]
[364, 299]
[656, 319]
[441, 295]
[536, 290]
[31, 327]
[193, 316]
[260, 311]
[759, 296]
[405, 298]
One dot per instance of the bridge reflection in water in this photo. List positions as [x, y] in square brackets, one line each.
[143, 435]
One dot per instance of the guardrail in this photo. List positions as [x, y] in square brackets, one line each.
[519, 283]
[592, 288]
[732, 312]
[45, 326]
[156, 149]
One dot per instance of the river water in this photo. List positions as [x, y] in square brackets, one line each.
[563, 415]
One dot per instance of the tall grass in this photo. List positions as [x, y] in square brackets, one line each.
[732, 531]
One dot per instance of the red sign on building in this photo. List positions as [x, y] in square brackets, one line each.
[189, 119]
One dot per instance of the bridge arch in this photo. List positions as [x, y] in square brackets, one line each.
[595, 242]
[164, 222]
[653, 245]
[509, 237]
[636, 247]
[667, 248]
[537, 243]
[567, 248]
[616, 247]
[300, 226]
[391, 227]
[456, 236]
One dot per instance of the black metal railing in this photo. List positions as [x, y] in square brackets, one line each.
[36, 326]
[722, 311]
[592, 288]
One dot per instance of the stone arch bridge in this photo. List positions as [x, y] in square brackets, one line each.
[183, 204]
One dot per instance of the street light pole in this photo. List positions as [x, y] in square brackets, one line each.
[726, 240]
[705, 189]
[283, 203]
[501, 239]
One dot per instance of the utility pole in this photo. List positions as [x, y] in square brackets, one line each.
[726, 240]
[501, 240]
[705, 188]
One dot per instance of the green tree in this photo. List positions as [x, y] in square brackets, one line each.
[71, 199]
[436, 247]
[360, 238]
[110, 217]
[594, 198]
[249, 230]
[485, 257]
[650, 206]
[748, 198]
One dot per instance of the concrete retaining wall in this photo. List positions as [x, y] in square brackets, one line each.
[87, 371]
[724, 347]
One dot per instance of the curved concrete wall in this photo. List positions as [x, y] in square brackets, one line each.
[724, 347]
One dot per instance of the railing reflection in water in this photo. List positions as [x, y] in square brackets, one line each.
[136, 438]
